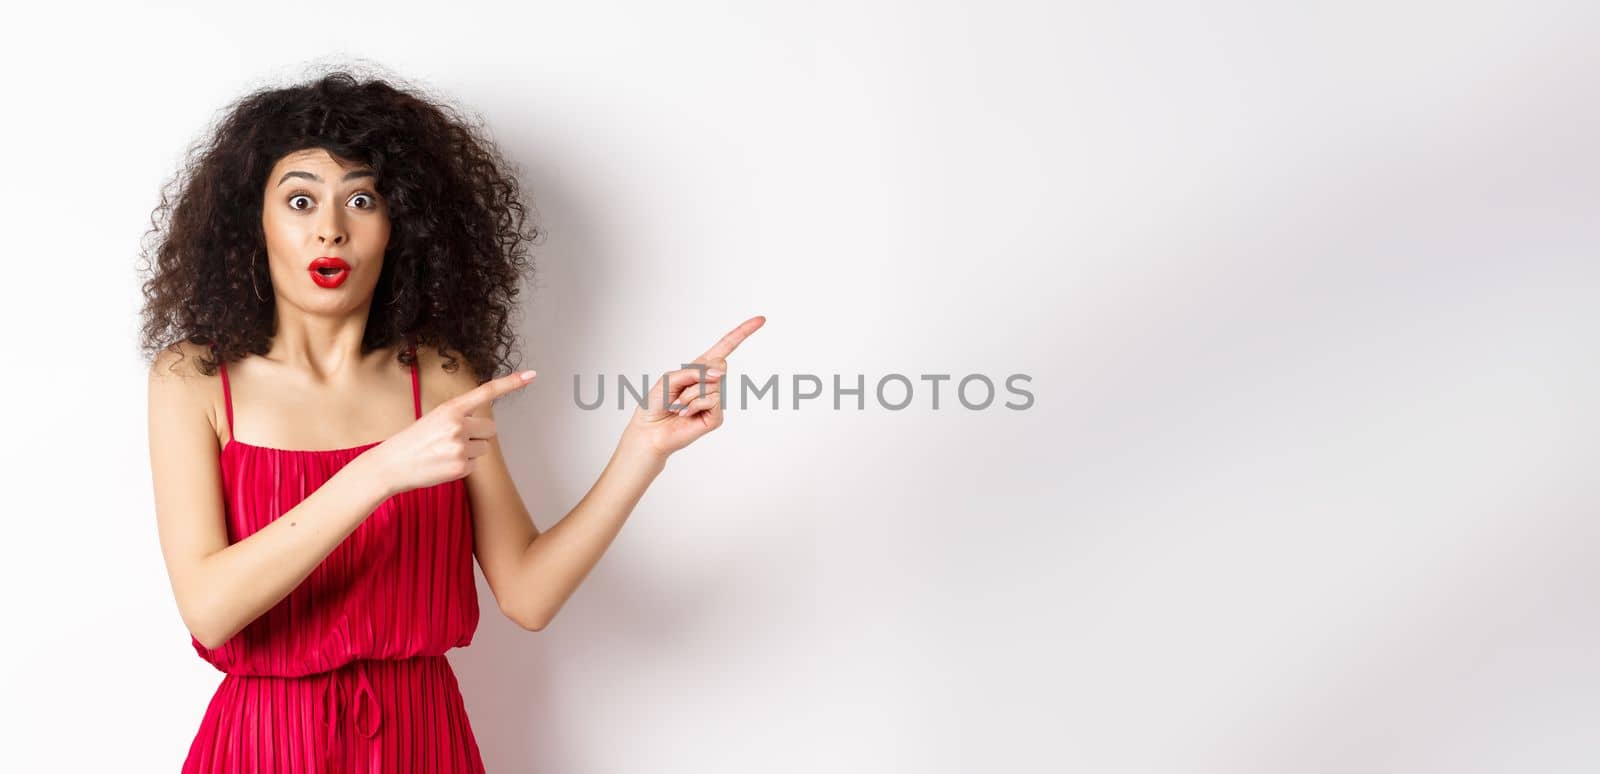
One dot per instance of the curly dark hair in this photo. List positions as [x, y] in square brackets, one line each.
[458, 241]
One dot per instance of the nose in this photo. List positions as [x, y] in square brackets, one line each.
[330, 229]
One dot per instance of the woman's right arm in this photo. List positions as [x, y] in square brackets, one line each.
[221, 588]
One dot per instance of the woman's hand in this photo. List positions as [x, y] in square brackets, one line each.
[661, 432]
[445, 443]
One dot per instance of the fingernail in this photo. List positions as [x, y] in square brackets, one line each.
[714, 372]
[526, 375]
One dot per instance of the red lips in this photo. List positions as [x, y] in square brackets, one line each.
[333, 271]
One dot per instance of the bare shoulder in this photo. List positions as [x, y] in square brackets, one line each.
[176, 378]
[180, 395]
[180, 360]
[438, 384]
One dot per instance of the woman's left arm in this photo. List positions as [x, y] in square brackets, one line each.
[532, 574]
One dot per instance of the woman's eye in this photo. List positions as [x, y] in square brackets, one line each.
[361, 196]
[292, 200]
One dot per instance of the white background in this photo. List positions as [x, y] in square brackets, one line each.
[1307, 295]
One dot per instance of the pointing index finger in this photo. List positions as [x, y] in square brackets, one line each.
[726, 345]
[488, 391]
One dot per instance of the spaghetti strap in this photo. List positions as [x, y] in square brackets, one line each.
[227, 395]
[416, 380]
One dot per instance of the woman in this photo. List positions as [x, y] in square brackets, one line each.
[327, 240]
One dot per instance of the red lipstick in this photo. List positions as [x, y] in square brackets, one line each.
[329, 272]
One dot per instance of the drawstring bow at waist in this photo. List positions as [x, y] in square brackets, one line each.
[334, 697]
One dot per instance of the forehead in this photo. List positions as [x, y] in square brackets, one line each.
[315, 160]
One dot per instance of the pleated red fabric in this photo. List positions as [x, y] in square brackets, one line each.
[347, 673]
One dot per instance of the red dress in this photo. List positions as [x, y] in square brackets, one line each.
[347, 673]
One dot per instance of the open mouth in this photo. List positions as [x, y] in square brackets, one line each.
[329, 272]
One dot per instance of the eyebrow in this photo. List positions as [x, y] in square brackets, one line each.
[310, 176]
